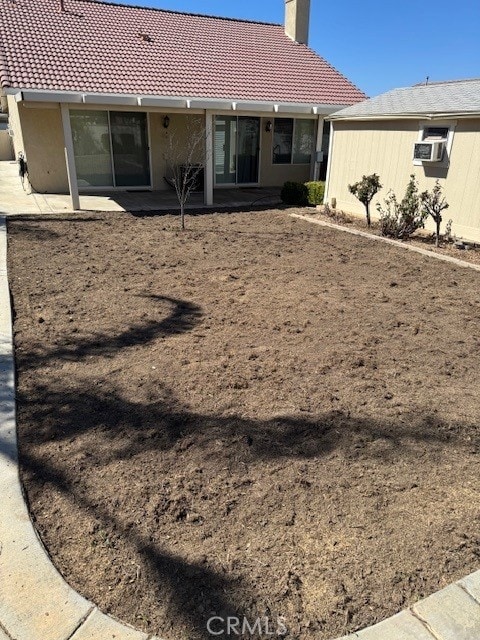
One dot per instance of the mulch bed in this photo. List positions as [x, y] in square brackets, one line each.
[257, 417]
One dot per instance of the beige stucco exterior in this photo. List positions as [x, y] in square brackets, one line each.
[6, 149]
[38, 132]
[386, 148]
[14, 125]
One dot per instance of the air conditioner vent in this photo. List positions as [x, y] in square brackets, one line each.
[429, 150]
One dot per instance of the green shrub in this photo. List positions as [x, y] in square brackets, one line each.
[401, 219]
[315, 192]
[294, 193]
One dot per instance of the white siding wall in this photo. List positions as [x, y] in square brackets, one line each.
[386, 148]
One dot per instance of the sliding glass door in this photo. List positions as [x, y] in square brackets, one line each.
[91, 147]
[110, 148]
[237, 150]
[130, 149]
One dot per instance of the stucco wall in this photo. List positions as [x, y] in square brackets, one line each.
[44, 148]
[386, 148]
[167, 144]
[14, 124]
[6, 148]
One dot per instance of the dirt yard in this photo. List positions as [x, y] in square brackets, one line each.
[258, 417]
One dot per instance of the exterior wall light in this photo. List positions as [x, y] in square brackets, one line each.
[268, 126]
[166, 122]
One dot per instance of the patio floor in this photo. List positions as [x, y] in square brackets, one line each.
[15, 199]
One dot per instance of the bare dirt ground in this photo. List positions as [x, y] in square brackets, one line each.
[257, 417]
[422, 238]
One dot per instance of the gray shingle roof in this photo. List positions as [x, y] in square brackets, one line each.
[455, 97]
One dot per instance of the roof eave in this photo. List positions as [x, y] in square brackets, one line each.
[405, 116]
[171, 102]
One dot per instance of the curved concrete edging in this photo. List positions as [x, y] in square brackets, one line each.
[395, 243]
[37, 604]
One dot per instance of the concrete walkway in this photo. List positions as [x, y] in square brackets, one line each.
[15, 199]
[37, 604]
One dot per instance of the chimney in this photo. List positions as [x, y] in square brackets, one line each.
[297, 18]
[61, 7]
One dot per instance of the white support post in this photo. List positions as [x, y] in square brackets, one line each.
[208, 187]
[70, 158]
[329, 165]
[318, 148]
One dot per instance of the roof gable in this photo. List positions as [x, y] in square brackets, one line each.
[102, 47]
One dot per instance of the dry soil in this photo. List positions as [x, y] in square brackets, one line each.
[257, 417]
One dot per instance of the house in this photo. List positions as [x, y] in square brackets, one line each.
[94, 90]
[430, 130]
[5, 140]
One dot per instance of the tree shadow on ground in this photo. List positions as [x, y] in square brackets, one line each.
[122, 429]
[183, 317]
[184, 580]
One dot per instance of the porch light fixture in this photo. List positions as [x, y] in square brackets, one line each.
[268, 126]
[166, 122]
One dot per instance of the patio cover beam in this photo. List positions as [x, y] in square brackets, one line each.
[171, 102]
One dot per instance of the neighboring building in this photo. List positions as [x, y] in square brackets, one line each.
[90, 85]
[431, 131]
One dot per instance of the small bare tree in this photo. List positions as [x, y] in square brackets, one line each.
[184, 154]
[434, 203]
[364, 190]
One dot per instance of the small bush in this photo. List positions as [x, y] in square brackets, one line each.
[294, 193]
[364, 190]
[315, 192]
[433, 204]
[401, 219]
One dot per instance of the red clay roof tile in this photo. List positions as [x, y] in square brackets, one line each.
[98, 47]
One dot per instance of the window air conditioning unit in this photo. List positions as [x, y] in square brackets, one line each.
[429, 150]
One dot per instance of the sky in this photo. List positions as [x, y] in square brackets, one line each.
[378, 45]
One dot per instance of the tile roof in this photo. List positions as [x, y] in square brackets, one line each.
[103, 47]
[456, 97]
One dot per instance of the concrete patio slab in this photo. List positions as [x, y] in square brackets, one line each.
[18, 200]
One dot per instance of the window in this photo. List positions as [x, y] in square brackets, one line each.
[293, 141]
[282, 141]
[435, 133]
